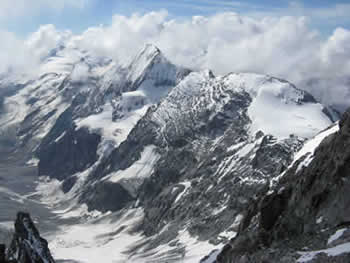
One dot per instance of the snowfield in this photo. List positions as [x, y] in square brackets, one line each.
[277, 107]
[330, 252]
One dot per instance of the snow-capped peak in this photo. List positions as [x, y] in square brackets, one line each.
[150, 68]
[208, 73]
[275, 107]
[148, 56]
[149, 51]
[278, 107]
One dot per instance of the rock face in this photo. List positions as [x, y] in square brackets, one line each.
[75, 152]
[2, 253]
[209, 165]
[27, 245]
[306, 216]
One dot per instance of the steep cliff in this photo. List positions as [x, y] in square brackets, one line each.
[27, 246]
[306, 216]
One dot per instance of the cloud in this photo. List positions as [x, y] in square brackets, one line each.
[25, 55]
[329, 77]
[12, 53]
[337, 11]
[80, 73]
[17, 8]
[124, 37]
[284, 47]
[46, 38]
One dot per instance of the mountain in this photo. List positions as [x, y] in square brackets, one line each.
[305, 217]
[152, 160]
[27, 246]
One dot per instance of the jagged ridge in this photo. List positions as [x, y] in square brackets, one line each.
[306, 217]
[27, 246]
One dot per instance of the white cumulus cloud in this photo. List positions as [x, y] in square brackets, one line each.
[25, 55]
[284, 47]
[46, 38]
[80, 73]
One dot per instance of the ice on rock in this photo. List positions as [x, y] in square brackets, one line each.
[278, 108]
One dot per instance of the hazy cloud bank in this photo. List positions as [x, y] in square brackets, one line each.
[285, 47]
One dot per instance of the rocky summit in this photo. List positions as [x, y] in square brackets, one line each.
[153, 162]
[27, 246]
[305, 217]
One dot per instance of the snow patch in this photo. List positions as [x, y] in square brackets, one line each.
[49, 191]
[212, 256]
[219, 210]
[187, 185]
[277, 106]
[60, 137]
[103, 240]
[228, 234]
[330, 252]
[141, 169]
[235, 146]
[13, 195]
[33, 162]
[319, 220]
[78, 212]
[311, 145]
[307, 150]
[245, 150]
[103, 123]
[195, 249]
[338, 234]
[7, 225]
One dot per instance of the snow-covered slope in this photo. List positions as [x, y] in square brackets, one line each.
[36, 107]
[304, 217]
[99, 93]
[309, 148]
[143, 83]
[278, 107]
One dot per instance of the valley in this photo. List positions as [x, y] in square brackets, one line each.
[153, 162]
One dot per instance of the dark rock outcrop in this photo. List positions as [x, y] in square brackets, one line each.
[73, 152]
[307, 206]
[27, 245]
[2, 253]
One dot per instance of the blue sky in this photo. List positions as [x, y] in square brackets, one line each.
[325, 15]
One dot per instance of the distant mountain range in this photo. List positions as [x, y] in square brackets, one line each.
[166, 164]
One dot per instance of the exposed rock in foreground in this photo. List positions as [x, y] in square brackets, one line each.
[307, 216]
[27, 246]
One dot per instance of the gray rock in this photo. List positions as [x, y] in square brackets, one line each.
[287, 218]
[27, 245]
